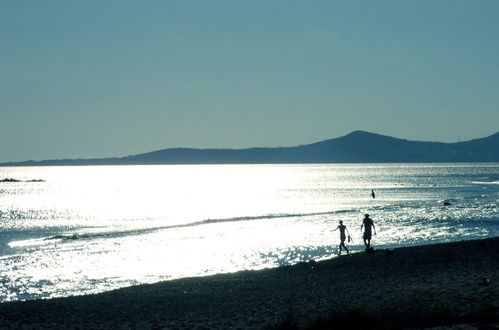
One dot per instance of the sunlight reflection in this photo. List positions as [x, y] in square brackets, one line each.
[92, 229]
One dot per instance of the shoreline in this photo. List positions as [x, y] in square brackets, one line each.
[419, 287]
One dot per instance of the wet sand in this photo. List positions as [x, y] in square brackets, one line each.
[442, 285]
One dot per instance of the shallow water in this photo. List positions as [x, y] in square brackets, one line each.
[91, 229]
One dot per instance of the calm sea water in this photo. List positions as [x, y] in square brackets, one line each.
[92, 229]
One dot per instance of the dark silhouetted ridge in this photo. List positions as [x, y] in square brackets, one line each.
[356, 147]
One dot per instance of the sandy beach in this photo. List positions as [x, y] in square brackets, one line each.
[444, 286]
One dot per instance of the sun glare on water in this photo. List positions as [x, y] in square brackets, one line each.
[92, 229]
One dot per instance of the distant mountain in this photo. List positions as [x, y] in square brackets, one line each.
[356, 147]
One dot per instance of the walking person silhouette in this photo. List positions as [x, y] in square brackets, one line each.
[367, 224]
[343, 236]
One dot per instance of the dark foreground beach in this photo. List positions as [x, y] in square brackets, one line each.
[444, 286]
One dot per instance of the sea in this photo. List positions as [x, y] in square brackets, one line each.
[76, 230]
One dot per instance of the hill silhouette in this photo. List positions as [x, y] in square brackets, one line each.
[356, 147]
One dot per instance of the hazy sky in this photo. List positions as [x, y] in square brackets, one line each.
[97, 78]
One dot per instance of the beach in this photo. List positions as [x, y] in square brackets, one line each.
[412, 287]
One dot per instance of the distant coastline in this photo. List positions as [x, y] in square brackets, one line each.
[356, 147]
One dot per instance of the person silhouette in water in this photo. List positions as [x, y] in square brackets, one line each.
[343, 236]
[373, 195]
[367, 224]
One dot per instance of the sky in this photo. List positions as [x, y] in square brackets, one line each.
[108, 78]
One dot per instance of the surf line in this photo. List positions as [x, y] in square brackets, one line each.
[140, 231]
